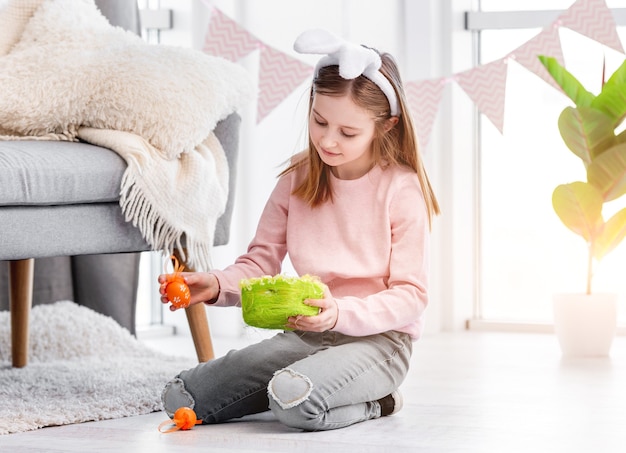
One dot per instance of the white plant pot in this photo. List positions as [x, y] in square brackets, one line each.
[585, 324]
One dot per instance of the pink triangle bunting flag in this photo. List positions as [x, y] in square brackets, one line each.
[547, 43]
[225, 38]
[423, 98]
[593, 19]
[486, 86]
[279, 75]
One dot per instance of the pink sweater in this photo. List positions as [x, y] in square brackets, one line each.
[370, 246]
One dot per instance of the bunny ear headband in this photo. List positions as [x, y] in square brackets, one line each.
[353, 60]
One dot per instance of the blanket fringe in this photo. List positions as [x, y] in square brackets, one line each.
[159, 234]
[67, 136]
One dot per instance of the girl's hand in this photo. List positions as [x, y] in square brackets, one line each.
[325, 320]
[204, 287]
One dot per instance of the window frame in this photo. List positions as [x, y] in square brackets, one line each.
[476, 22]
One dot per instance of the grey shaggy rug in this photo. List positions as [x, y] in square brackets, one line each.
[82, 367]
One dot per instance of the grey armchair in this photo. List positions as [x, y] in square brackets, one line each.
[49, 227]
[68, 206]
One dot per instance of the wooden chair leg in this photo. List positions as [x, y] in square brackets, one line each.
[200, 332]
[199, 325]
[21, 299]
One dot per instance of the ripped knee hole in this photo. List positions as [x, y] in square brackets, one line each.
[175, 396]
[289, 388]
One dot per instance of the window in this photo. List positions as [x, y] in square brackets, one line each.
[526, 253]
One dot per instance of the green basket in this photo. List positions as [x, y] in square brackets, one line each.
[267, 302]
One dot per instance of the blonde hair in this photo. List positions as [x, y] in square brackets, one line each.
[395, 146]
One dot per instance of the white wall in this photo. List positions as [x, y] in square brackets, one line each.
[428, 40]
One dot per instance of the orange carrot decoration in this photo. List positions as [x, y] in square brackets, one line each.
[184, 418]
[177, 291]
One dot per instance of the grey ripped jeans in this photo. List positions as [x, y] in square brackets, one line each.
[311, 381]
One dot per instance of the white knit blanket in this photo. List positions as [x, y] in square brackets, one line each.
[67, 74]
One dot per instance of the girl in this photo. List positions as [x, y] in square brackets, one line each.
[353, 209]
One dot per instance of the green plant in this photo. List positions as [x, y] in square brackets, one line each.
[590, 131]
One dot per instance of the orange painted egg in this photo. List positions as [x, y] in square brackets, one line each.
[185, 418]
[178, 294]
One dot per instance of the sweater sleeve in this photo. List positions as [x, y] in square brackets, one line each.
[401, 305]
[266, 251]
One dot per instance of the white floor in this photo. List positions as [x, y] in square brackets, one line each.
[467, 392]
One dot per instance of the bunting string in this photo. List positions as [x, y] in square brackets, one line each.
[485, 85]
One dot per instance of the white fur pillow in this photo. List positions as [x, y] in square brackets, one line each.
[71, 68]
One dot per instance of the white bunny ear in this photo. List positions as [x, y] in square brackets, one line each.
[317, 41]
[355, 59]
[351, 58]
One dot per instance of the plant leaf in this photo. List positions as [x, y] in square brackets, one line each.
[579, 206]
[568, 83]
[612, 234]
[586, 132]
[620, 138]
[607, 172]
[612, 98]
